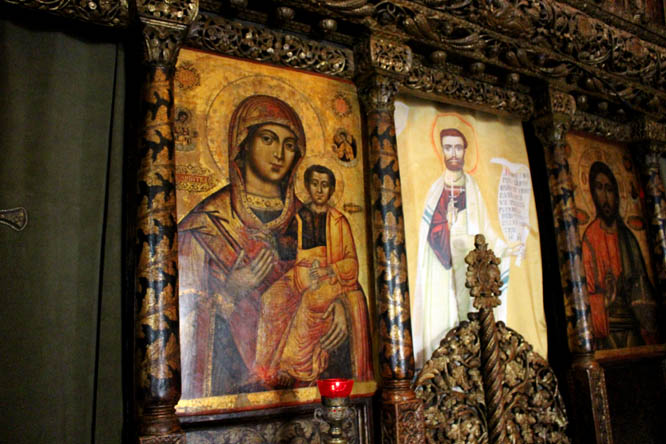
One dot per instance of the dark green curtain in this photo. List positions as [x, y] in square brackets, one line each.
[61, 137]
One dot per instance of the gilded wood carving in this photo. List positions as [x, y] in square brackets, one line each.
[484, 383]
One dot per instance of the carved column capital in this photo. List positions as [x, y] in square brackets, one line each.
[555, 117]
[377, 93]
[560, 103]
[164, 27]
[382, 64]
[552, 130]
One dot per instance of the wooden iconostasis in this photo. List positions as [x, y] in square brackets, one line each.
[298, 182]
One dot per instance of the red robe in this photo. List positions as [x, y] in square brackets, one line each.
[601, 255]
[439, 236]
[614, 258]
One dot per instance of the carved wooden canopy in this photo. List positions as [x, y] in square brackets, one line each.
[495, 55]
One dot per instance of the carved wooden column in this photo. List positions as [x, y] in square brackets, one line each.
[402, 413]
[163, 26]
[651, 143]
[591, 414]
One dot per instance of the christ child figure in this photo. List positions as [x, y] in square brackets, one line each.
[332, 305]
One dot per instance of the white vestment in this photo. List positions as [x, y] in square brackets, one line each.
[441, 299]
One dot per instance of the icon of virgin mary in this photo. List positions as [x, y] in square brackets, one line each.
[234, 246]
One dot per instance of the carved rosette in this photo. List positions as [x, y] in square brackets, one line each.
[402, 417]
[551, 129]
[253, 42]
[451, 388]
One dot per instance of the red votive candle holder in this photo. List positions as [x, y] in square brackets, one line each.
[335, 387]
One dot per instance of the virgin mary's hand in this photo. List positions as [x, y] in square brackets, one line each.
[246, 278]
[338, 331]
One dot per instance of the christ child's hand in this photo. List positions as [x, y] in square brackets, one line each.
[321, 273]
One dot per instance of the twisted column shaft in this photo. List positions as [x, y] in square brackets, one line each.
[493, 378]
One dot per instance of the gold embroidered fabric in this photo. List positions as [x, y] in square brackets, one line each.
[264, 203]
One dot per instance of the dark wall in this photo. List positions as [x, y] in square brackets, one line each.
[60, 278]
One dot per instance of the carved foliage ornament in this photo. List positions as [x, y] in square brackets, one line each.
[390, 57]
[112, 13]
[546, 24]
[293, 431]
[256, 43]
[535, 37]
[174, 11]
[649, 130]
[458, 87]
[451, 388]
[403, 423]
[600, 126]
[483, 275]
